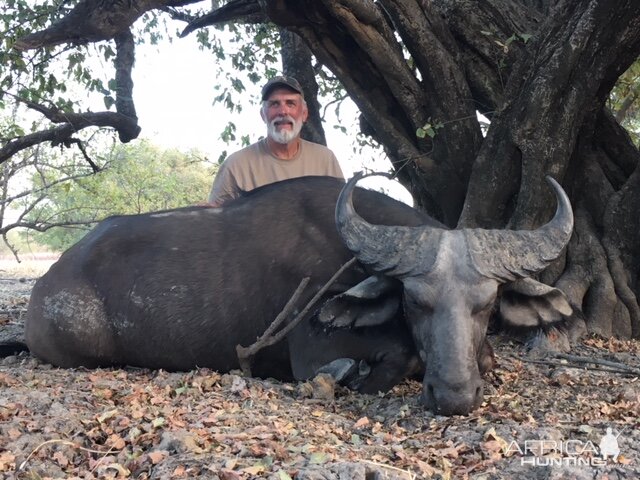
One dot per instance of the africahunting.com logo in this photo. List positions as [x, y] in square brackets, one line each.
[543, 453]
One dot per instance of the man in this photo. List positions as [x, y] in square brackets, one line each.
[279, 156]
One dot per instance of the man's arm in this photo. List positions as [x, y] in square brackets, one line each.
[224, 188]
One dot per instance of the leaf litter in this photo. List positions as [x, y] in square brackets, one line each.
[143, 424]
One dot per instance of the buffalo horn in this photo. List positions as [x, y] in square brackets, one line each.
[390, 250]
[522, 252]
[500, 254]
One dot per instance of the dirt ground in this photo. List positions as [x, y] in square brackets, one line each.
[543, 418]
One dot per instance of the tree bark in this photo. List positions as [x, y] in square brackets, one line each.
[296, 62]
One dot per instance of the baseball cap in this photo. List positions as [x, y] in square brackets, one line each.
[279, 82]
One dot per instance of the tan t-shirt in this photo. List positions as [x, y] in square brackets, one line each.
[254, 166]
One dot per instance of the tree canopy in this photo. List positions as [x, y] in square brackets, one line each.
[134, 178]
[544, 72]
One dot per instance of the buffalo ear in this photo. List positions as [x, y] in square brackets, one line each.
[372, 302]
[529, 303]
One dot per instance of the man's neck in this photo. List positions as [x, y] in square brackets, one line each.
[284, 151]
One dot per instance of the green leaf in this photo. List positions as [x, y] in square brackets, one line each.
[282, 475]
[108, 101]
[525, 37]
[317, 458]
[158, 422]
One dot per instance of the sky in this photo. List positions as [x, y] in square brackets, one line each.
[174, 92]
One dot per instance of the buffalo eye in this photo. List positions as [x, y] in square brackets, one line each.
[414, 304]
[483, 307]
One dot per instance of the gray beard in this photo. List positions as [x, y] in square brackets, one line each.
[283, 136]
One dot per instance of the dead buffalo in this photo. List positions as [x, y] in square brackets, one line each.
[180, 289]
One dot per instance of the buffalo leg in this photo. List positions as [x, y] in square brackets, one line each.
[387, 352]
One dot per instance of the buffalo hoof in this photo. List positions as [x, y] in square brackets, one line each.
[354, 382]
[340, 369]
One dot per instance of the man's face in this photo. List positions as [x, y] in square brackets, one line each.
[284, 112]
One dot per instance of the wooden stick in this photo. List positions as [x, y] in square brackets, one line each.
[596, 361]
[245, 354]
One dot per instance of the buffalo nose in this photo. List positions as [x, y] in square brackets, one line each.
[443, 398]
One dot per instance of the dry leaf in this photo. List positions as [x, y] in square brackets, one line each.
[624, 460]
[121, 470]
[229, 475]
[107, 415]
[7, 461]
[362, 422]
[254, 470]
[157, 456]
[324, 386]
[179, 471]
[116, 441]
[494, 449]
[61, 459]
[190, 442]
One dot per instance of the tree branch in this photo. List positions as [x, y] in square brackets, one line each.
[56, 135]
[94, 21]
[47, 186]
[239, 11]
[127, 128]
[125, 58]
[80, 146]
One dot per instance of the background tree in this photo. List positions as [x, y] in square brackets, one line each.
[135, 178]
[541, 71]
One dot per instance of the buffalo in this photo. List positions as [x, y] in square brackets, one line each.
[179, 289]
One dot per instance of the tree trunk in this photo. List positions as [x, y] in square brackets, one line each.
[296, 62]
[543, 84]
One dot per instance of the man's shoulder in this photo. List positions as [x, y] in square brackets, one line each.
[252, 149]
[246, 154]
[307, 144]
[316, 150]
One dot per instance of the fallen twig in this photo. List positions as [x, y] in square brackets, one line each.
[63, 442]
[596, 361]
[583, 362]
[410, 475]
[600, 368]
[268, 338]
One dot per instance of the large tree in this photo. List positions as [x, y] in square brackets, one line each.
[419, 70]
